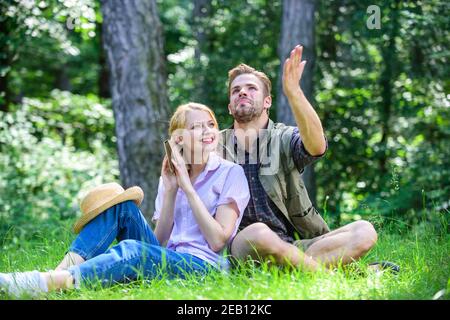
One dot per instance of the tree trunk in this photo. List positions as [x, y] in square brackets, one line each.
[62, 80]
[4, 93]
[388, 76]
[7, 27]
[298, 28]
[103, 74]
[134, 47]
[201, 11]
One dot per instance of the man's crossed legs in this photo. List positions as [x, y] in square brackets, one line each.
[343, 245]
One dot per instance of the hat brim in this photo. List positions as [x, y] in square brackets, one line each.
[134, 193]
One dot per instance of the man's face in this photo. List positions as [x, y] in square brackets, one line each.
[247, 101]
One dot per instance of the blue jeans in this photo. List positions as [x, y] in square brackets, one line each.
[138, 252]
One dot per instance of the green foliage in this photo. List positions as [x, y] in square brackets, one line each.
[48, 44]
[233, 32]
[41, 171]
[381, 95]
[73, 120]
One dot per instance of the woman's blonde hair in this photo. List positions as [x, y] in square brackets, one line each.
[178, 120]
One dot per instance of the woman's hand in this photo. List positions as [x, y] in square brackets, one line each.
[169, 179]
[183, 179]
[164, 224]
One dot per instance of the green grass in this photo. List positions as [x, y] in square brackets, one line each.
[422, 253]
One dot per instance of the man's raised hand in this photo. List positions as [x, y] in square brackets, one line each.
[292, 72]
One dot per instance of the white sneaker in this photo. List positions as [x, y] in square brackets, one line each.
[23, 284]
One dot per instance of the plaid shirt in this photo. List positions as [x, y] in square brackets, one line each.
[260, 207]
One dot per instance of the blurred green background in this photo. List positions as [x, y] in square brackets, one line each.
[382, 95]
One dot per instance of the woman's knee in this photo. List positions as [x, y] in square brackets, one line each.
[129, 248]
[128, 208]
[129, 214]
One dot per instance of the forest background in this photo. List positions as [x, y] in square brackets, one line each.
[67, 101]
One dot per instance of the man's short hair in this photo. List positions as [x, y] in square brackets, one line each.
[245, 69]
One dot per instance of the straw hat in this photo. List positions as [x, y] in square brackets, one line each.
[103, 197]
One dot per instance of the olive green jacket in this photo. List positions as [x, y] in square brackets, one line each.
[280, 178]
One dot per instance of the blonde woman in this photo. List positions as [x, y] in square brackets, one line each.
[197, 212]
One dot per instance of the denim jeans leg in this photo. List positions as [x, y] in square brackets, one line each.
[130, 259]
[122, 221]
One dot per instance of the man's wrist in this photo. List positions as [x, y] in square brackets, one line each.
[294, 95]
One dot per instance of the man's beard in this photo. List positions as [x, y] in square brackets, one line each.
[246, 113]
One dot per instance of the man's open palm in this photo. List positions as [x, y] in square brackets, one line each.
[292, 71]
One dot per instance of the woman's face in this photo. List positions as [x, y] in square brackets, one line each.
[200, 136]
